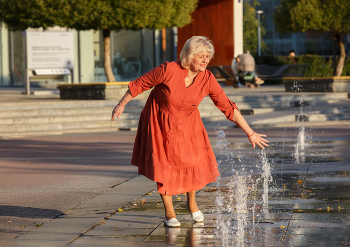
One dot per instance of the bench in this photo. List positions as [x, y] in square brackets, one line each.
[224, 72]
[267, 72]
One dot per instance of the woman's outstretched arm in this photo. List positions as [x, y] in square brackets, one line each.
[253, 137]
[119, 108]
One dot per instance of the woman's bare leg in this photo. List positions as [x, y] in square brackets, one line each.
[169, 207]
[191, 201]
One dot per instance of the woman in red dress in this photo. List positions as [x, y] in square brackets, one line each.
[171, 146]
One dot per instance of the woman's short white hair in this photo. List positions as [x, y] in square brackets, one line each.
[195, 45]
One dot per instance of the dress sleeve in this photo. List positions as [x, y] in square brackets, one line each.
[220, 99]
[148, 80]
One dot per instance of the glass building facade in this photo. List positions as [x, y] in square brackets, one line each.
[133, 53]
[302, 43]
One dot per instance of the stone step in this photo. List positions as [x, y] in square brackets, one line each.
[18, 123]
[291, 117]
[64, 112]
[78, 116]
[335, 110]
[256, 101]
[246, 109]
[83, 129]
[288, 97]
[329, 117]
[63, 126]
[65, 104]
[309, 124]
[15, 131]
[212, 113]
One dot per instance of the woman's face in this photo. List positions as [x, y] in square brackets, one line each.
[200, 61]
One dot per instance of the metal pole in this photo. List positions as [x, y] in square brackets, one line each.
[79, 59]
[259, 45]
[12, 56]
[175, 41]
[25, 63]
[334, 59]
[259, 33]
[157, 48]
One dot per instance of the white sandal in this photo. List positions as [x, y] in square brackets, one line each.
[173, 222]
[196, 216]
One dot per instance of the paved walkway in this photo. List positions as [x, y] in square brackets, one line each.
[69, 189]
[80, 190]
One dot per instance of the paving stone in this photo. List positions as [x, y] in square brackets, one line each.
[306, 203]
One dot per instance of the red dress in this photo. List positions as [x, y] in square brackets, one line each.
[171, 145]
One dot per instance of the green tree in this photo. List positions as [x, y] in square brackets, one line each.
[323, 16]
[22, 14]
[105, 15]
[250, 28]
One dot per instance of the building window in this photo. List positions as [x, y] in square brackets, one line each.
[127, 54]
[17, 70]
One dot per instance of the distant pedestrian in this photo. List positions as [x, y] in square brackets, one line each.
[292, 53]
[291, 57]
[172, 147]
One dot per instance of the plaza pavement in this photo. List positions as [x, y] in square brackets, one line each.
[80, 190]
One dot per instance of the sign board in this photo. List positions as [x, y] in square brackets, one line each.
[50, 49]
[52, 72]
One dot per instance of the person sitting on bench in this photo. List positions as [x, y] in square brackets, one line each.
[247, 67]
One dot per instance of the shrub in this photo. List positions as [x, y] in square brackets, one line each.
[318, 65]
[346, 69]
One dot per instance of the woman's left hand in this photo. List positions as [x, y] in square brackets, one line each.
[117, 111]
[259, 140]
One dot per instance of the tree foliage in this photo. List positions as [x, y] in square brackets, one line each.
[22, 14]
[126, 14]
[321, 16]
[115, 15]
[250, 28]
[105, 15]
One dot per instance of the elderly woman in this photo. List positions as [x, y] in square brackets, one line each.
[171, 146]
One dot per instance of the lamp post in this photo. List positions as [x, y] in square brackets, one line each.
[259, 32]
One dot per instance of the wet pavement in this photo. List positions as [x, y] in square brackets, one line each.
[71, 192]
[279, 197]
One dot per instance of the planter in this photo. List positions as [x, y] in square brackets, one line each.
[318, 84]
[93, 91]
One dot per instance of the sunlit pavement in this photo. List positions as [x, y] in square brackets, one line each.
[81, 190]
[308, 202]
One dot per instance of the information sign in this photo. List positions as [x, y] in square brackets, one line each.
[50, 49]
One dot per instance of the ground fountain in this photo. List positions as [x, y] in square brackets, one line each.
[236, 216]
[263, 194]
[299, 153]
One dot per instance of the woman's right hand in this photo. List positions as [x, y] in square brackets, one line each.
[117, 111]
[258, 139]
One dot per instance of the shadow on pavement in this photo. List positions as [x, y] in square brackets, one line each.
[28, 212]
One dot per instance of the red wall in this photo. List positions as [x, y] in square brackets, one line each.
[213, 19]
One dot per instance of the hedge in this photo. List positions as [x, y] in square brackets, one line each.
[319, 66]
